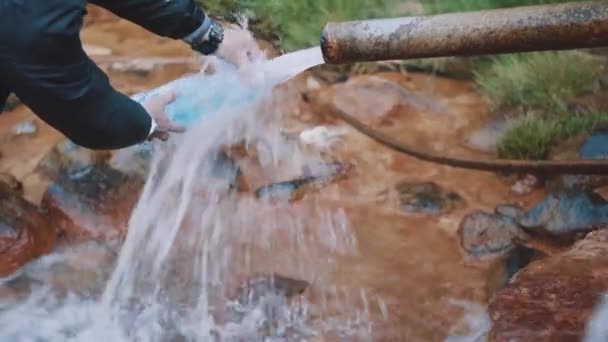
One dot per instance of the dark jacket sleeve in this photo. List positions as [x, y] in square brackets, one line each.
[79, 102]
[168, 18]
[44, 64]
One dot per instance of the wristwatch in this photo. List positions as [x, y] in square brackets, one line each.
[208, 41]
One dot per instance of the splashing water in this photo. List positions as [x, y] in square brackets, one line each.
[192, 240]
[597, 326]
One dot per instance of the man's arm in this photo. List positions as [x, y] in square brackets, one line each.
[78, 100]
[175, 19]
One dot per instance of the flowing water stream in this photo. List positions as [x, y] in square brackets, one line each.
[350, 264]
[191, 239]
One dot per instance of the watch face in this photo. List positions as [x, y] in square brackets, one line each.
[217, 33]
[210, 45]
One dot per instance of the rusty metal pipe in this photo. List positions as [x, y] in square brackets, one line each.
[520, 29]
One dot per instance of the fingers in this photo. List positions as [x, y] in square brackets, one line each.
[161, 100]
[163, 136]
[155, 107]
[168, 97]
[175, 128]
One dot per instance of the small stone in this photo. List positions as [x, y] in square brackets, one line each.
[25, 232]
[552, 299]
[427, 198]
[288, 191]
[94, 202]
[511, 211]
[312, 83]
[322, 137]
[96, 50]
[484, 234]
[295, 189]
[595, 147]
[564, 214]
[525, 185]
[25, 128]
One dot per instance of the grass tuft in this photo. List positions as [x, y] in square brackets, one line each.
[528, 137]
[533, 136]
[448, 6]
[543, 79]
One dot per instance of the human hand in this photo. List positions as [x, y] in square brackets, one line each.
[155, 106]
[239, 48]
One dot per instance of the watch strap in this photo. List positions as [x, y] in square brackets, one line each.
[207, 38]
[201, 33]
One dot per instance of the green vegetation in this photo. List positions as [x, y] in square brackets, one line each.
[533, 135]
[540, 84]
[546, 80]
[299, 23]
[447, 6]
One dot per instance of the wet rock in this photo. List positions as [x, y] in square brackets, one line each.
[25, 232]
[94, 202]
[81, 269]
[595, 146]
[92, 192]
[427, 198]
[552, 299]
[287, 190]
[260, 307]
[375, 99]
[258, 286]
[226, 168]
[564, 214]
[69, 157]
[295, 189]
[485, 234]
[511, 211]
[579, 182]
[506, 266]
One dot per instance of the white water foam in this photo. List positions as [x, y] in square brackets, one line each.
[191, 240]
